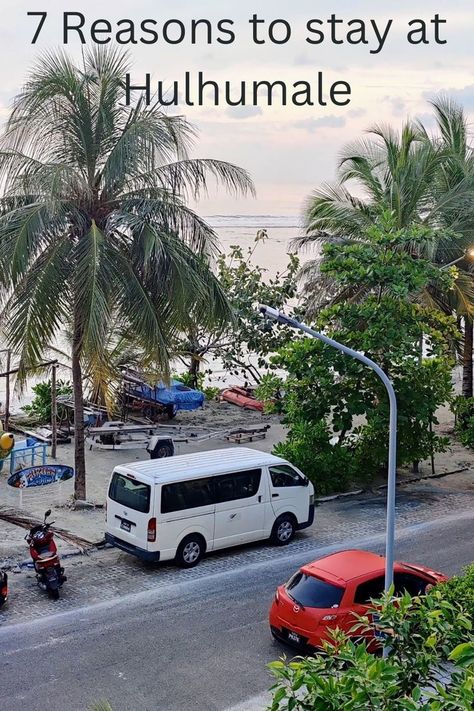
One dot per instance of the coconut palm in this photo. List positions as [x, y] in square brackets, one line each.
[418, 179]
[94, 221]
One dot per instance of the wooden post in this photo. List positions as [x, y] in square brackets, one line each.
[7, 393]
[54, 413]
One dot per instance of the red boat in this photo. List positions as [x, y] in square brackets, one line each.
[243, 397]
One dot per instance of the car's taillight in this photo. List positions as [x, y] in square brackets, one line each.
[151, 533]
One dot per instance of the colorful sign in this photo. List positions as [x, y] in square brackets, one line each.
[40, 475]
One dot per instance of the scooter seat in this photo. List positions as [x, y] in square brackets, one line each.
[43, 557]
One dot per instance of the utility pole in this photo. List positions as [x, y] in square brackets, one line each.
[7, 392]
[54, 412]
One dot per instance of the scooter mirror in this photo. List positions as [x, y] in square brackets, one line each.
[48, 513]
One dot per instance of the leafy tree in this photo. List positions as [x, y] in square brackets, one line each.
[423, 181]
[336, 408]
[244, 347]
[94, 222]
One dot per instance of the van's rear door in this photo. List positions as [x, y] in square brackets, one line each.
[129, 508]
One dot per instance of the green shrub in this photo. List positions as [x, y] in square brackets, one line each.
[330, 467]
[189, 379]
[211, 392]
[459, 590]
[422, 635]
[40, 407]
[463, 408]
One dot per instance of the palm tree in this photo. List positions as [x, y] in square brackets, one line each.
[94, 221]
[419, 179]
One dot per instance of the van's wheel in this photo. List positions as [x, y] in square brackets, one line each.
[190, 551]
[283, 530]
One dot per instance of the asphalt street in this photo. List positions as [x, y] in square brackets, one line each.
[200, 644]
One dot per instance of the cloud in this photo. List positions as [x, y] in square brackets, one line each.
[244, 112]
[398, 105]
[312, 125]
[357, 113]
[463, 96]
[302, 60]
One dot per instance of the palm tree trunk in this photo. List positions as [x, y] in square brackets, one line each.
[467, 368]
[79, 442]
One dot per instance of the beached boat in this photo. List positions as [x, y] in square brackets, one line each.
[155, 400]
[243, 397]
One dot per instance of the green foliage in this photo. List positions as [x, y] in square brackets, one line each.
[269, 391]
[40, 407]
[197, 381]
[331, 467]
[463, 409]
[336, 408]
[244, 347]
[459, 590]
[424, 179]
[189, 380]
[422, 635]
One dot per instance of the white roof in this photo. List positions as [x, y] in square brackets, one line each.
[191, 466]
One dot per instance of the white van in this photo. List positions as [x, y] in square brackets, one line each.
[177, 508]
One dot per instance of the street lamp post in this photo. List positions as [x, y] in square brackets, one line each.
[276, 315]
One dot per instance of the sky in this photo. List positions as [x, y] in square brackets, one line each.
[289, 151]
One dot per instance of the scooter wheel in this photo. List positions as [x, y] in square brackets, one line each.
[54, 594]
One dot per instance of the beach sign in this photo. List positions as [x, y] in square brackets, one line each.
[40, 475]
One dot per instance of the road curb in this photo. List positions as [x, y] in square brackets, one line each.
[412, 480]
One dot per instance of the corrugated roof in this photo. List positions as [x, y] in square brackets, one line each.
[190, 466]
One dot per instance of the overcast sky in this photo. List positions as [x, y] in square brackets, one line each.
[290, 150]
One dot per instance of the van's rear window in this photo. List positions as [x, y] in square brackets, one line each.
[129, 492]
[309, 591]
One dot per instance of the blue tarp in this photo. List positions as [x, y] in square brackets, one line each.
[176, 394]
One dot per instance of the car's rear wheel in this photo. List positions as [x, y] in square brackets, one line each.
[190, 551]
[284, 530]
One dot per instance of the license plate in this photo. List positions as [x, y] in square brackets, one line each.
[293, 637]
[126, 526]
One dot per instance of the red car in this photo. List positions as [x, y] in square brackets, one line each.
[326, 593]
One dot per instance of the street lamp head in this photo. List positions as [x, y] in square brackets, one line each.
[269, 312]
[470, 252]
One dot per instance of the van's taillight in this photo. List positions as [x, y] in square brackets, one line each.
[311, 499]
[151, 533]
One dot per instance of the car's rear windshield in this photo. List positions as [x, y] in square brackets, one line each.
[309, 591]
[129, 492]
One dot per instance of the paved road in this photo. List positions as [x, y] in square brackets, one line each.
[200, 643]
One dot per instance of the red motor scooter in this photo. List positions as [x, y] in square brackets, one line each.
[49, 573]
[3, 587]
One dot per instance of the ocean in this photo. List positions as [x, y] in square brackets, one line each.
[242, 229]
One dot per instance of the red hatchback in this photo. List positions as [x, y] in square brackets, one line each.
[325, 594]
